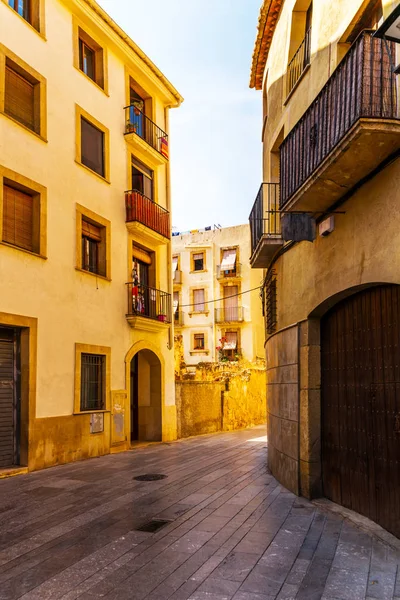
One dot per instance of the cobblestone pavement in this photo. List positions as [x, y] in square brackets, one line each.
[233, 532]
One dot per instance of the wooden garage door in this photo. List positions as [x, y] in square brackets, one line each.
[360, 346]
[7, 398]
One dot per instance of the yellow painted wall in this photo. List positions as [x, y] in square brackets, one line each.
[72, 306]
[252, 329]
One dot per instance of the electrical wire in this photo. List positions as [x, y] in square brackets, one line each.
[221, 299]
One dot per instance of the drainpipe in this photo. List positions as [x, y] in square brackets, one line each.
[170, 343]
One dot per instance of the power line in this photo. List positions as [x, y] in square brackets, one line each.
[220, 299]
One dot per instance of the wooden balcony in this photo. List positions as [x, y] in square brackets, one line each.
[265, 226]
[350, 129]
[146, 219]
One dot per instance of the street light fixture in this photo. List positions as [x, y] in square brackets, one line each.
[390, 31]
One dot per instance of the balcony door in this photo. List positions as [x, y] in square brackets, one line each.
[143, 295]
[137, 110]
[142, 178]
[231, 309]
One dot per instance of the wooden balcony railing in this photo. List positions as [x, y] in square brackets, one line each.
[299, 62]
[264, 217]
[143, 210]
[145, 301]
[362, 86]
[137, 122]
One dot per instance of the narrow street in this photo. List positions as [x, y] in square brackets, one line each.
[232, 531]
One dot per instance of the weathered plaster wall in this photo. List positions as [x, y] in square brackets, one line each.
[231, 401]
[283, 407]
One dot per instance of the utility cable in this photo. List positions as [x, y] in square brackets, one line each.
[221, 299]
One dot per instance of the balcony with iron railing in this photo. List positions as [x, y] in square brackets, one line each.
[141, 130]
[231, 314]
[234, 273]
[265, 226]
[299, 63]
[146, 218]
[351, 129]
[148, 308]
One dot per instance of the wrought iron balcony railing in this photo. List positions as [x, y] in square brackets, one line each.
[363, 86]
[145, 301]
[231, 314]
[143, 210]
[137, 122]
[264, 218]
[231, 274]
[299, 62]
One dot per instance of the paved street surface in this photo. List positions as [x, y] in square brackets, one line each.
[232, 532]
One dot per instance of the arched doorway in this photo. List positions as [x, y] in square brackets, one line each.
[360, 417]
[145, 397]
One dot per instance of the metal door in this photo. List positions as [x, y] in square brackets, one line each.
[360, 354]
[8, 398]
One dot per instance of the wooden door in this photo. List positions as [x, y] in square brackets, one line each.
[8, 399]
[360, 357]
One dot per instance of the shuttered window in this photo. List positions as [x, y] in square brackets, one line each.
[92, 147]
[19, 99]
[18, 215]
[92, 382]
[199, 341]
[198, 301]
[92, 241]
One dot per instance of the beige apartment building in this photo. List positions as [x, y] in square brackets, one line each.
[326, 231]
[86, 340]
[214, 312]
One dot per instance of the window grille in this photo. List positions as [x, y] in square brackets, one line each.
[92, 382]
[270, 298]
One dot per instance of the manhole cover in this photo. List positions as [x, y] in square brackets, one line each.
[150, 477]
[153, 526]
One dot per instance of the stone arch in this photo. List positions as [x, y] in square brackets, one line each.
[144, 372]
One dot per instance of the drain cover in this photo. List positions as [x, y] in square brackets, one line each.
[153, 526]
[150, 477]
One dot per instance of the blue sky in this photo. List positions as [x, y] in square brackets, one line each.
[204, 47]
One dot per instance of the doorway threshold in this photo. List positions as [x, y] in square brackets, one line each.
[13, 471]
[136, 445]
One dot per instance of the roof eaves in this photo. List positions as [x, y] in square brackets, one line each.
[267, 20]
[117, 29]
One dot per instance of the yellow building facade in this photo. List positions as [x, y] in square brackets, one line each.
[331, 142]
[214, 311]
[86, 340]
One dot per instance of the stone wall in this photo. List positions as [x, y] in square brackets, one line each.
[235, 401]
[282, 357]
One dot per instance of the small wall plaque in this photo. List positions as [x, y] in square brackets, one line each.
[97, 423]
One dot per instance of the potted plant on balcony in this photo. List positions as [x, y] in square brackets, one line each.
[162, 317]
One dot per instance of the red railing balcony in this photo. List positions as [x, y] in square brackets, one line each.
[141, 209]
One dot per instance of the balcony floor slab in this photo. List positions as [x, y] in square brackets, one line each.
[265, 250]
[365, 146]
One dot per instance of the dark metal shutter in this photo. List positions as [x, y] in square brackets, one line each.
[19, 98]
[7, 427]
[18, 218]
[92, 147]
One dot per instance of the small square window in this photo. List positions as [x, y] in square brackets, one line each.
[92, 382]
[198, 261]
[199, 341]
[92, 147]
